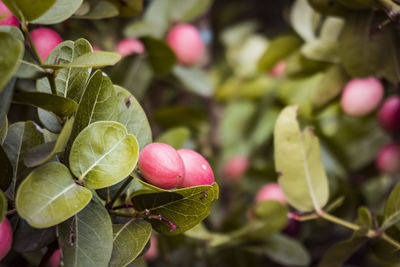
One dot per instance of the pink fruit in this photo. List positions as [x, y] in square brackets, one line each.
[129, 46]
[152, 252]
[55, 258]
[6, 17]
[279, 69]
[388, 159]
[5, 238]
[95, 48]
[361, 96]
[389, 115]
[45, 40]
[187, 44]
[271, 191]
[161, 165]
[197, 169]
[235, 167]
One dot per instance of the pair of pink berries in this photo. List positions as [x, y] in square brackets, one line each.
[165, 167]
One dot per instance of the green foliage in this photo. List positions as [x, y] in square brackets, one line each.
[29, 9]
[3, 206]
[11, 54]
[161, 56]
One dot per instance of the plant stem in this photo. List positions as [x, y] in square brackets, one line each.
[390, 241]
[392, 9]
[52, 82]
[119, 192]
[122, 214]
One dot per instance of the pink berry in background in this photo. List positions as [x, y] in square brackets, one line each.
[95, 48]
[197, 169]
[45, 40]
[389, 115]
[6, 17]
[5, 238]
[161, 165]
[279, 69]
[388, 159]
[55, 258]
[152, 252]
[235, 167]
[271, 191]
[187, 44]
[129, 46]
[361, 96]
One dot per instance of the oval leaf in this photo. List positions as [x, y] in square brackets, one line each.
[161, 56]
[96, 59]
[49, 196]
[11, 53]
[60, 11]
[392, 209]
[103, 154]
[28, 9]
[194, 80]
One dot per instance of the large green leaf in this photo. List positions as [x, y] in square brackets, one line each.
[11, 54]
[46, 151]
[298, 163]
[302, 19]
[60, 11]
[129, 240]
[98, 9]
[96, 59]
[21, 137]
[194, 80]
[184, 208]
[392, 209]
[49, 196]
[157, 16]
[28, 70]
[61, 106]
[132, 115]
[6, 176]
[13, 30]
[161, 56]
[28, 9]
[188, 10]
[103, 154]
[3, 206]
[175, 137]
[86, 239]
[128, 8]
[5, 99]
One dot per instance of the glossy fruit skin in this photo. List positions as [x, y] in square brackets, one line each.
[129, 46]
[388, 159]
[271, 191]
[55, 258]
[235, 167]
[6, 236]
[187, 44]
[45, 40]
[161, 165]
[389, 115]
[152, 252]
[197, 169]
[8, 18]
[361, 96]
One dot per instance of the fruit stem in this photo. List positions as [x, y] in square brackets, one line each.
[119, 192]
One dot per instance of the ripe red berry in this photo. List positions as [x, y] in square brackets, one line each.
[389, 115]
[45, 40]
[197, 169]
[129, 46]
[388, 159]
[187, 44]
[152, 252]
[55, 258]
[5, 238]
[361, 96]
[235, 167]
[6, 17]
[279, 69]
[161, 165]
[271, 191]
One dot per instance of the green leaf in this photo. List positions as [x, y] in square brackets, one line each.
[392, 209]
[132, 115]
[302, 19]
[3, 206]
[11, 54]
[277, 50]
[156, 15]
[49, 120]
[142, 28]
[183, 207]
[361, 47]
[129, 8]
[286, 251]
[187, 11]
[98, 103]
[96, 59]
[298, 66]
[21, 137]
[99, 9]
[175, 137]
[86, 239]
[29, 9]
[341, 251]
[212, 239]
[194, 80]
[61, 106]
[298, 162]
[161, 56]
[60, 11]
[103, 154]
[129, 240]
[6, 176]
[28, 70]
[180, 116]
[3, 130]
[15, 31]
[49, 196]
[329, 7]
[45, 152]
